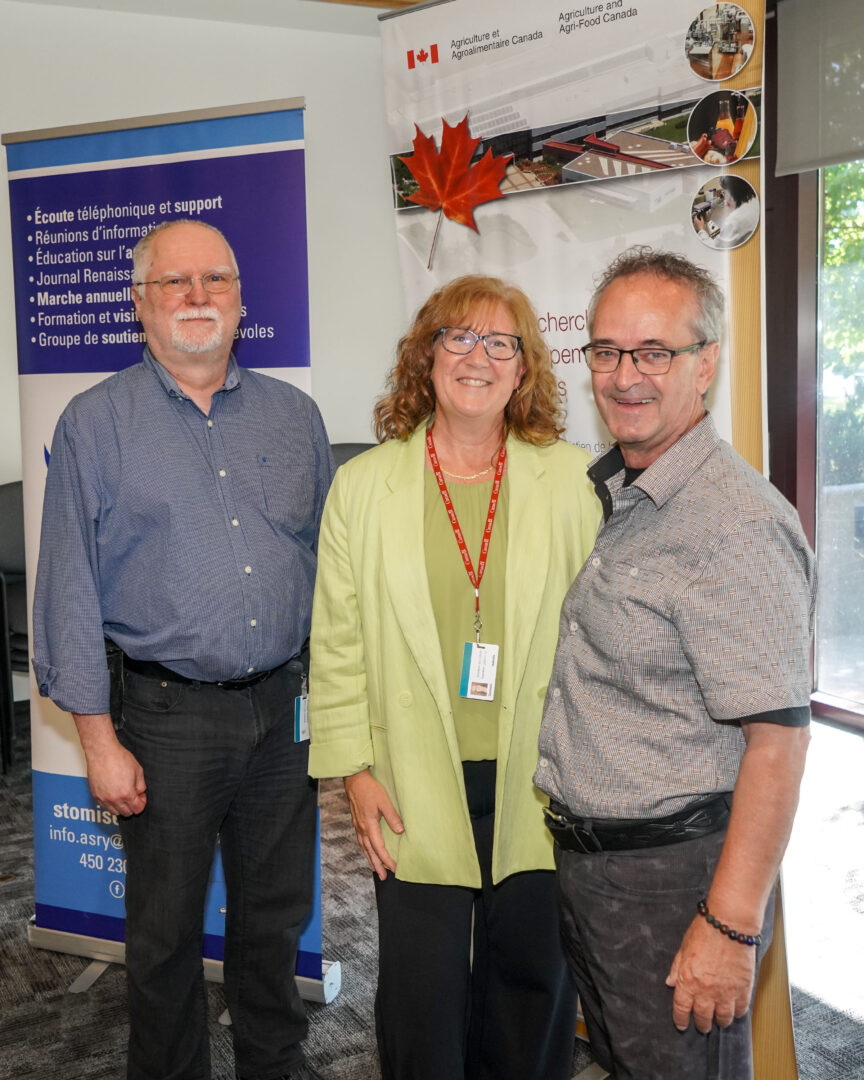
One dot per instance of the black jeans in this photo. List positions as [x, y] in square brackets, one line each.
[506, 1013]
[217, 763]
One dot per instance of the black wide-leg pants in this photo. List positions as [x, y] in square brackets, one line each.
[507, 1012]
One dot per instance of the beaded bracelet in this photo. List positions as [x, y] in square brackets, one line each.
[733, 935]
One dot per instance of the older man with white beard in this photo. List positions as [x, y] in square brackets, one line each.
[179, 550]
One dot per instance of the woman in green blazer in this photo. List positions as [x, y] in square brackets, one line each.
[452, 544]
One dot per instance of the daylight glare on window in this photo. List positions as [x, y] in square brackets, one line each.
[840, 507]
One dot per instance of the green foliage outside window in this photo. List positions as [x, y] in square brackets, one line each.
[842, 319]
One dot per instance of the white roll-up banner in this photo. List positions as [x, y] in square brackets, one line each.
[602, 125]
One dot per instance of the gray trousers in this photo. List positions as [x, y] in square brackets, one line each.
[623, 915]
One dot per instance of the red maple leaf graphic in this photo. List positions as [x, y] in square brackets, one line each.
[448, 181]
[422, 56]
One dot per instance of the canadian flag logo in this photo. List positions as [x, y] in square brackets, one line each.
[415, 58]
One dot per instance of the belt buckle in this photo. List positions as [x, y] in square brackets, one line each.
[588, 842]
[577, 837]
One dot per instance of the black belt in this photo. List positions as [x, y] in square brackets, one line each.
[158, 671]
[590, 836]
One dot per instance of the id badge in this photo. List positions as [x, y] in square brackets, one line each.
[301, 714]
[479, 671]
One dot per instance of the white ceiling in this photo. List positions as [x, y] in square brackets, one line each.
[294, 14]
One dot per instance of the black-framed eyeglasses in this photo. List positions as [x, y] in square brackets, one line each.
[649, 359]
[459, 340]
[217, 281]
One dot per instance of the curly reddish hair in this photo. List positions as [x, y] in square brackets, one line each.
[533, 414]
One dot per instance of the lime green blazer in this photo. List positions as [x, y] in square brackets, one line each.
[378, 694]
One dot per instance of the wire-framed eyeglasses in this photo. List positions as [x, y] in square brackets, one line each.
[461, 341]
[217, 281]
[649, 359]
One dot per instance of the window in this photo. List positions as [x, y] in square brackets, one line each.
[839, 662]
[814, 321]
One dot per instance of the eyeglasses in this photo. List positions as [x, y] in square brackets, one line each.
[649, 360]
[217, 281]
[458, 340]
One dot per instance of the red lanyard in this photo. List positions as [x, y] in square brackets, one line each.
[474, 577]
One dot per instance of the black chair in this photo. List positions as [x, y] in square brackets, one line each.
[14, 651]
[344, 451]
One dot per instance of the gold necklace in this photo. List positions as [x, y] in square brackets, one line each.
[473, 476]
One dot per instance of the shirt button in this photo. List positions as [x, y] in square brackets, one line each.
[556, 693]
[574, 626]
[234, 521]
[542, 762]
[222, 472]
[247, 569]
[253, 622]
[209, 423]
[595, 561]
[249, 670]
[634, 571]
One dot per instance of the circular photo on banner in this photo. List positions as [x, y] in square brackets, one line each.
[719, 41]
[721, 128]
[725, 212]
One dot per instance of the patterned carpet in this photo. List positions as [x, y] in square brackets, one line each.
[49, 1034]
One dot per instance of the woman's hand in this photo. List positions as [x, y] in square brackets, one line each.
[369, 802]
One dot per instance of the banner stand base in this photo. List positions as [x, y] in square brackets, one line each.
[322, 990]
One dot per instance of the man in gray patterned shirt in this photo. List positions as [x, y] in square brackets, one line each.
[675, 727]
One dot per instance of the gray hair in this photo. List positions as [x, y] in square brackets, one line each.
[710, 321]
[140, 267]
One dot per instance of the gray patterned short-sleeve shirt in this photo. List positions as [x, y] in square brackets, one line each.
[694, 610]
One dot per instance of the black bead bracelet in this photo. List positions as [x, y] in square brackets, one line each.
[733, 935]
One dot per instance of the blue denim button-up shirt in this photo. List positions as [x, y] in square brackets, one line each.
[186, 539]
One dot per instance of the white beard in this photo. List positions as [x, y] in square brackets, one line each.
[197, 339]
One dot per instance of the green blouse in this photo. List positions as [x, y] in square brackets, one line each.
[453, 599]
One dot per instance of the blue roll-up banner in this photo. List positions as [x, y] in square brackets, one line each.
[80, 200]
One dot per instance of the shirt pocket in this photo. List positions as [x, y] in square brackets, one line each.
[638, 590]
[288, 491]
[628, 607]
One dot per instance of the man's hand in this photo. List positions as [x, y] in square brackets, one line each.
[369, 802]
[712, 976]
[116, 778]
